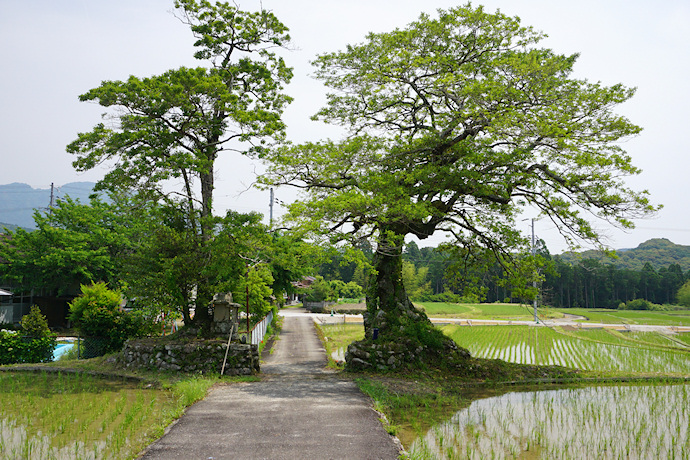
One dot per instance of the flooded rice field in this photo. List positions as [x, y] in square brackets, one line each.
[632, 422]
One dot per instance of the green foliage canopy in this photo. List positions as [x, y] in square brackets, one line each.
[257, 283]
[173, 126]
[169, 129]
[74, 244]
[458, 123]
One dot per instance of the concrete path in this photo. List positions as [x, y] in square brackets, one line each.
[299, 410]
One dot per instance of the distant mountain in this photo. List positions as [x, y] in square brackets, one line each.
[9, 227]
[658, 252]
[19, 201]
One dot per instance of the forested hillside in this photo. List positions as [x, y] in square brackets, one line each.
[9, 227]
[653, 271]
[658, 252]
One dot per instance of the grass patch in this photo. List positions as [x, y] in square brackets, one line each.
[445, 309]
[272, 334]
[337, 337]
[411, 408]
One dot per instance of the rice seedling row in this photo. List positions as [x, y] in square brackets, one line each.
[75, 416]
[587, 350]
[595, 422]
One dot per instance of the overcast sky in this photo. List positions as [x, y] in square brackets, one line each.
[53, 50]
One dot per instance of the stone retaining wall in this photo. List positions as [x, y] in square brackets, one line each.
[396, 355]
[204, 356]
[382, 356]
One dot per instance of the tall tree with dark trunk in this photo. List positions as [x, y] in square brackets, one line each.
[174, 125]
[457, 123]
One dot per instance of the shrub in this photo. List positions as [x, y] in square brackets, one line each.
[96, 313]
[352, 290]
[33, 344]
[338, 289]
[448, 297]
[18, 349]
[639, 304]
[35, 323]
[95, 296]
[71, 354]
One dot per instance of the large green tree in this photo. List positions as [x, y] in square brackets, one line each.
[458, 123]
[172, 270]
[170, 128]
[73, 244]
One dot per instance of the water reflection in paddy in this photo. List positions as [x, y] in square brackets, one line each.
[594, 422]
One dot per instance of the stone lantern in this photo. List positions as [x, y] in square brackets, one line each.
[225, 315]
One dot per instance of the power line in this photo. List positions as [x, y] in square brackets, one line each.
[9, 192]
[17, 209]
[664, 229]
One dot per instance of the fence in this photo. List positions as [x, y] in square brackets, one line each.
[259, 331]
[92, 347]
[317, 307]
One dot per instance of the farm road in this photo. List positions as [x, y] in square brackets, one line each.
[571, 321]
[298, 410]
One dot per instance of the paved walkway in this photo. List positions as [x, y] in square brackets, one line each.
[299, 410]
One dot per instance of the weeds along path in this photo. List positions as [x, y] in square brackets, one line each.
[298, 410]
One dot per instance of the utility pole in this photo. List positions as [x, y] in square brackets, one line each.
[534, 282]
[52, 196]
[270, 207]
[249, 340]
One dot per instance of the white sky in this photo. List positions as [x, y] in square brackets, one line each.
[53, 50]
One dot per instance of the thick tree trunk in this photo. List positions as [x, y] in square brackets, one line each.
[388, 307]
[202, 315]
[396, 333]
[186, 317]
[206, 180]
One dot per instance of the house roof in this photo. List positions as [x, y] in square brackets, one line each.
[304, 282]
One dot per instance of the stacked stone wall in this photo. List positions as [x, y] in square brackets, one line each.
[193, 356]
[381, 356]
[396, 355]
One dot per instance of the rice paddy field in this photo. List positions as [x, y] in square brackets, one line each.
[489, 311]
[79, 416]
[661, 318]
[593, 350]
[605, 422]
[337, 337]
